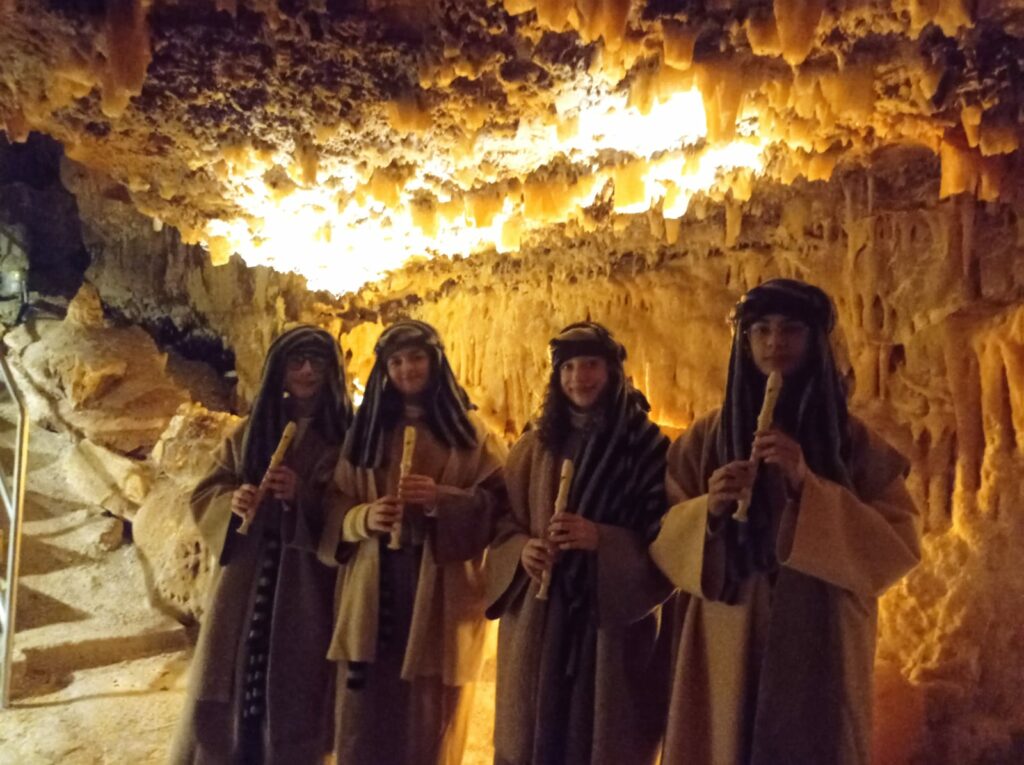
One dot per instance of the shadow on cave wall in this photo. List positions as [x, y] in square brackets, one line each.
[43, 218]
[36, 206]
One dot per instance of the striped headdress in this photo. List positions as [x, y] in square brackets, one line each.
[447, 405]
[620, 467]
[268, 416]
[619, 476]
[812, 406]
[816, 391]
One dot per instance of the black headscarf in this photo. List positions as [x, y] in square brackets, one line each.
[813, 399]
[268, 417]
[619, 479]
[619, 467]
[446, 403]
[800, 659]
[811, 407]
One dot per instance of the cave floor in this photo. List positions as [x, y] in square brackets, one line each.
[98, 674]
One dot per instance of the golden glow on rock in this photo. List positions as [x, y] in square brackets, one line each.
[344, 226]
[642, 120]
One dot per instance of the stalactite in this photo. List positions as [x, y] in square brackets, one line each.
[128, 53]
[307, 158]
[1013, 359]
[964, 384]
[797, 22]
[678, 44]
[408, 114]
[733, 222]
[553, 14]
[967, 215]
[722, 86]
[763, 35]
[998, 138]
[996, 415]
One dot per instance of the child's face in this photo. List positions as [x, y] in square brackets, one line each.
[583, 380]
[778, 342]
[409, 371]
[304, 375]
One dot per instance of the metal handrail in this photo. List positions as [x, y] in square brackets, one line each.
[15, 511]
[14, 238]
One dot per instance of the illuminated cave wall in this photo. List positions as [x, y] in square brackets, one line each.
[932, 328]
[411, 129]
[336, 139]
[931, 333]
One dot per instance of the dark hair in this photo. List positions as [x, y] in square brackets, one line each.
[333, 408]
[392, 405]
[554, 423]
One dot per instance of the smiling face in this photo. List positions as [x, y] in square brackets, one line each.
[304, 375]
[409, 371]
[778, 342]
[583, 380]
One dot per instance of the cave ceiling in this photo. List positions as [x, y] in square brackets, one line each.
[343, 138]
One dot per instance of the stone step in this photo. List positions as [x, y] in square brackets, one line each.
[81, 607]
[49, 658]
[119, 713]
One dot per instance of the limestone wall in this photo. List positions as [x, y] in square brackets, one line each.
[931, 336]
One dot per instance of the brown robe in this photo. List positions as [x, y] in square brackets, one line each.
[419, 653]
[299, 677]
[857, 543]
[613, 712]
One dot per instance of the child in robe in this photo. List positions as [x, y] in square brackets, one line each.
[776, 638]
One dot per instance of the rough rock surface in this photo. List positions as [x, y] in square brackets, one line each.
[929, 297]
[43, 216]
[107, 384]
[929, 301]
[177, 562]
[886, 171]
[408, 129]
[115, 483]
[98, 675]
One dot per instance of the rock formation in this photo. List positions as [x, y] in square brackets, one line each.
[514, 166]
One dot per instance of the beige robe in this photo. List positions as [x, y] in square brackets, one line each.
[859, 543]
[443, 649]
[616, 706]
[299, 679]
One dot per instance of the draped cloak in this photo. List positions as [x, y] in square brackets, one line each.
[776, 669]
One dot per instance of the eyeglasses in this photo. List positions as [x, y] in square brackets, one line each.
[297, 361]
[787, 331]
